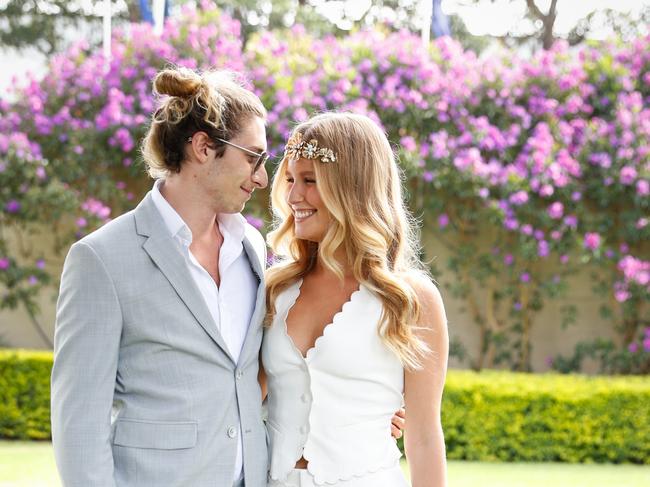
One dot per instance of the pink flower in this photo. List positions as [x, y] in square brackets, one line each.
[97, 208]
[633, 347]
[518, 198]
[254, 221]
[571, 221]
[4, 264]
[12, 206]
[628, 175]
[621, 295]
[525, 277]
[543, 248]
[527, 229]
[508, 259]
[642, 187]
[408, 143]
[443, 220]
[556, 210]
[546, 190]
[592, 240]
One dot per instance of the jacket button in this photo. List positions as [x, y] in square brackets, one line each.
[232, 432]
[304, 398]
[239, 374]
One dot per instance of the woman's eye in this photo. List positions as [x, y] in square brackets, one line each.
[310, 181]
[289, 180]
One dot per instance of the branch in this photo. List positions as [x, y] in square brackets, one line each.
[535, 10]
[541, 15]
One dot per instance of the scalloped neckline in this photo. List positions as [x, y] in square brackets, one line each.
[337, 317]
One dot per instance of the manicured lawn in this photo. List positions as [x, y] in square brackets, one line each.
[31, 464]
[475, 474]
[27, 464]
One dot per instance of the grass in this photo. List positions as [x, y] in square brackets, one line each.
[27, 464]
[31, 464]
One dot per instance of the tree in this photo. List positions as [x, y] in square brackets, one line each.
[538, 24]
[43, 24]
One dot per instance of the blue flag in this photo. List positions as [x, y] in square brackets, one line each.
[147, 14]
[439, 21]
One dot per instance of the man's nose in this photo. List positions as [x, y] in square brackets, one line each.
[261, 178]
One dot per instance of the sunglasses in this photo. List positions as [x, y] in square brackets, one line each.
[261, 157]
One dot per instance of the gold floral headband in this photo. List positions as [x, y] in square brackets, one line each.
[297, 148]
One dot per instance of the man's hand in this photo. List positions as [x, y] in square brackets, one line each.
[398, 423]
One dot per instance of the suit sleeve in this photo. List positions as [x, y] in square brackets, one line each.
[86, 349]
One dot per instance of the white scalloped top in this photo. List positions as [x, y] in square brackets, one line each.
[333, 406]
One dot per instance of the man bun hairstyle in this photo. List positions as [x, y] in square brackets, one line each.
[214, 102]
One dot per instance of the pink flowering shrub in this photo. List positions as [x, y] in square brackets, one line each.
[528, 169]
[29, 196]
[69, 154]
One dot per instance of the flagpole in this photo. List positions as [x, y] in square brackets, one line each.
[107, 33]
[158, 16]
[426, 7]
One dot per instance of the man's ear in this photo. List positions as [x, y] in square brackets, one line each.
[198, 147]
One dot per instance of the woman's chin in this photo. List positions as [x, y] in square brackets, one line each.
[309, 236]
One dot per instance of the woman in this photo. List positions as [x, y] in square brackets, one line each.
[354, 327]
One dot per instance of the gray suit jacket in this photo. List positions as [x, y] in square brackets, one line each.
[144, 390]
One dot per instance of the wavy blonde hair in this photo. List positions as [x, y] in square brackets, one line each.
[368, 219]
[213, 102]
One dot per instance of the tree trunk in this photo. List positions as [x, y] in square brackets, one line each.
[548, 21]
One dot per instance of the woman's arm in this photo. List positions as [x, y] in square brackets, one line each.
[424, 441]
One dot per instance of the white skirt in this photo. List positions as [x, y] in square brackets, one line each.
[386, 477]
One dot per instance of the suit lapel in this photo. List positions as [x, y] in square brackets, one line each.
[164, 252]
[260, 302]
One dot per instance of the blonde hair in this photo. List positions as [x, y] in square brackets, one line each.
[368, 219]
[213, 102]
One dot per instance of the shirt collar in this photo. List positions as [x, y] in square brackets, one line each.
[230, 225]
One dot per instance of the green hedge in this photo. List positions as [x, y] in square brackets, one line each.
[504, 416]
[25, 394]
[500, 416]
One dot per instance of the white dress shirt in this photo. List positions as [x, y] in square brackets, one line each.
[232, 303]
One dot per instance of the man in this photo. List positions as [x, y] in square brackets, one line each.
[159, 315]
